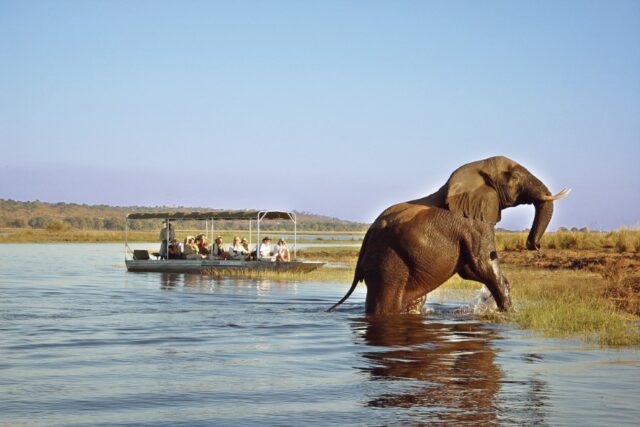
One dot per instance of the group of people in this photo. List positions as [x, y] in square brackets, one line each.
[279, 252]
[198, 248]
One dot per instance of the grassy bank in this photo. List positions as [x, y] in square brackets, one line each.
[623, 240]
[572, 304]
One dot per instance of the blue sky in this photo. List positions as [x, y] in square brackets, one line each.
[339, 108]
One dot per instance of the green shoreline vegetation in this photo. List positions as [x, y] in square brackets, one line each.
[622, 240]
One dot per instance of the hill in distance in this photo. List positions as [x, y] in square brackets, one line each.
[42, 215]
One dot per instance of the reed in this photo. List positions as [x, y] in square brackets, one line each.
[621, 240]
[566, 303]
[343, 274]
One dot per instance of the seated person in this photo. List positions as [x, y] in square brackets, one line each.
[236, 250]
[265, 248]
[203, 245]
[191, 249]
[217, 250]
[247, 250]
[175, 252]
[282, 251]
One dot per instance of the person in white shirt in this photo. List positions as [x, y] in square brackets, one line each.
[265, 248]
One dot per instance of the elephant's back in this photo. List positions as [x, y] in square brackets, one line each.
[401, 214]
[408, 225]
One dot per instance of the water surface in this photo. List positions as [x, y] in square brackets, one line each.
[83, 342]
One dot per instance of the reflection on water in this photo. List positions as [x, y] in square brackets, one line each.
[443, 371]
[205, 283]
[83, 342]
[452, 365]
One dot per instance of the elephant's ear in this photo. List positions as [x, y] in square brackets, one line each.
[473, 196]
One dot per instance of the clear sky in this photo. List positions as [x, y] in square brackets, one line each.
[333, 107]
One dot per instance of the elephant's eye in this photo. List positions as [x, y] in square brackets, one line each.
[493, 255]
[516, 177]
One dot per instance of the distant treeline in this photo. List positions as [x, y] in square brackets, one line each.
[67, 216]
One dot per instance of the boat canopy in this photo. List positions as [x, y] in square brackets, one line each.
[213, 215]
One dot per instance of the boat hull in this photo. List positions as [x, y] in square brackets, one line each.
[219, 266]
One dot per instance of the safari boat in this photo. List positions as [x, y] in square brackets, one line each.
[144, 260]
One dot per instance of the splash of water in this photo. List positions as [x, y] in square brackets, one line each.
[483, 302]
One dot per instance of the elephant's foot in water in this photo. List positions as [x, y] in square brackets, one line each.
[415, 306]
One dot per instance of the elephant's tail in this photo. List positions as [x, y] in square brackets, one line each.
[356, 280]
[357, 277]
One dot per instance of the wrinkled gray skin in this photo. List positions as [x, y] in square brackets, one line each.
[414, 247]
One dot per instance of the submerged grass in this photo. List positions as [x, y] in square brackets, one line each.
[341, 262]
[343, 274]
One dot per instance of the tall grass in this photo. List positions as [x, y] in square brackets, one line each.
[622, 240]
[570, 304]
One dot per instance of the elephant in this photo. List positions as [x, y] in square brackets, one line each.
[413, 247]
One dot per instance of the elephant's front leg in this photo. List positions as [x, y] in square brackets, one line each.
[485, 268]
[501, 284]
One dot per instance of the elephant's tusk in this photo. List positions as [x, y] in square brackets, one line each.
[561, 195]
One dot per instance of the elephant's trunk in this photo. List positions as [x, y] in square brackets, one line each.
[539, 195]
[544, 211]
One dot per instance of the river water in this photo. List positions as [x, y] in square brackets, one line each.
[83, 342]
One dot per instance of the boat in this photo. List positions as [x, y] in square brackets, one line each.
[142, 260]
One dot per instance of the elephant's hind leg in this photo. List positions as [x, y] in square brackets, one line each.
[386, 285]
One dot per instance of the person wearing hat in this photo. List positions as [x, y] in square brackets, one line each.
[217, 249]
[245, 246]
[191, 249]
[166, 235]
[236, 250]
[174, 250]
[203, 245]
[282, 251]
[265, 248]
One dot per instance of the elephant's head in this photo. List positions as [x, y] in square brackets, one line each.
[480, 190]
